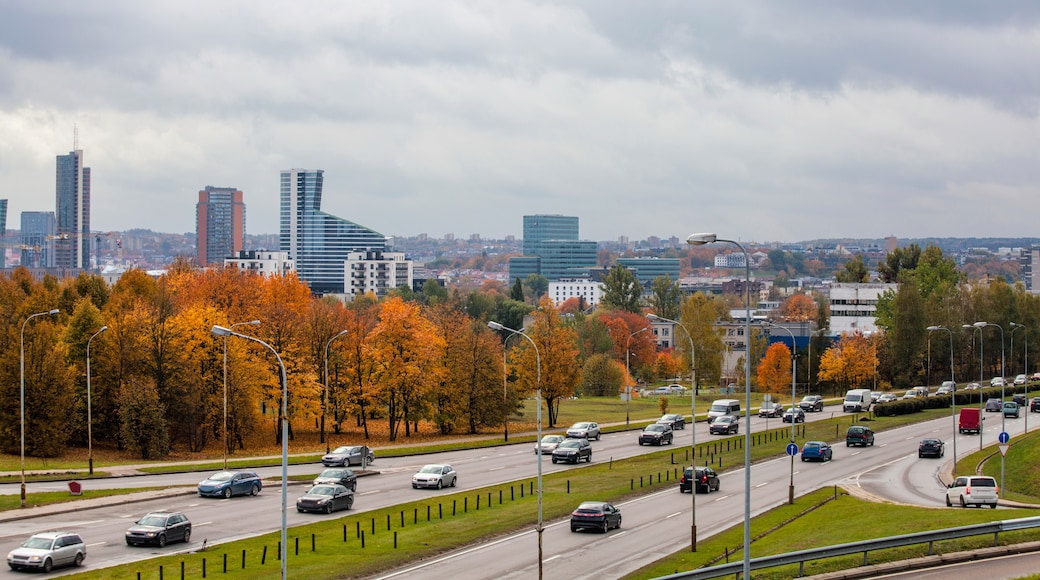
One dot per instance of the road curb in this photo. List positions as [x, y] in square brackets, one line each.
[925, 562]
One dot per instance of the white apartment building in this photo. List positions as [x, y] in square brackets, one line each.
[263, 262]
[375, 272]
[564, 288]
[854, 307]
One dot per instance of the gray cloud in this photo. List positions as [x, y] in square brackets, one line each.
[761, 120]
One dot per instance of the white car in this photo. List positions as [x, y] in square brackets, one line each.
[1020, 380]
[548, 444]
[976, 490]
[997, 382]
[436, 476]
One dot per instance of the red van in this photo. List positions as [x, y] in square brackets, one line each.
[969, 420]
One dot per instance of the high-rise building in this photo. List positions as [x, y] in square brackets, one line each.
[38, 239]
[317, 242]
[3, 232]
[72, 212]
[220, 224]
[552, 249]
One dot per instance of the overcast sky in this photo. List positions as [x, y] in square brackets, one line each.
[765, 121]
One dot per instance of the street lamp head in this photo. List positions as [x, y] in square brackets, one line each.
[931, 328]
[980, 324]
[652, 316]
[102, 329]
[1016, 325]
[53, 311]
[968, 326]
[341, 333]
[701, 239]
[495, 326]
[218, 330]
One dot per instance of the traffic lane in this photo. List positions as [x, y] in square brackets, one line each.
[916, 481]
[998, 568]
[667, 535]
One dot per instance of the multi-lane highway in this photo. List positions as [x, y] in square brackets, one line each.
[654, 525]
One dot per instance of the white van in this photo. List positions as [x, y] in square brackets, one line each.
[857, 401]
[724, 407]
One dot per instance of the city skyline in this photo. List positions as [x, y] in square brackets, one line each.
[756, 121]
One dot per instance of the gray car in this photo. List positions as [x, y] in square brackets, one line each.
[338, 476]
[584, 430]
[48, 550]
[348, 455]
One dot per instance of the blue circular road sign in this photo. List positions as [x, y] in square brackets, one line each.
[1004, 437]
[792, 449]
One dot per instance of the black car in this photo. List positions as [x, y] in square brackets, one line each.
[994, 405]
[348, 455]
[931, 448]
[859, 435]
[338, 476]
[811, 403]
[325, 498]
[572, 450]
[794, 415]
[159, 528]
[1034, 405]
[707, 480]
[673, 420]
[724, 425]
[595, 515]
[656, 434]
[1019, 398]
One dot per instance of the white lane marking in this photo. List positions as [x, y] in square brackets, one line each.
[673, 515]
[721, 498]
[761, 485]
[371, 492]
[856, 453]
[96, 544]
[551, 558]
[202, 524]
[497, 468]
[617, 535]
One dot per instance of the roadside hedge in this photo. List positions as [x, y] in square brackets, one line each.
[908, 406]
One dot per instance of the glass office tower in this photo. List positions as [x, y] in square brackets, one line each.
[318, 242]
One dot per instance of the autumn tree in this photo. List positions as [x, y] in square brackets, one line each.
[407, 352]
[142, 416]
[849, 362]
[798, 308]
[700, 313]
[774, 370]
[622, 290]
[471, 393]
[557, 349]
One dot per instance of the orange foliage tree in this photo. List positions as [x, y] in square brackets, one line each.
[557, 348]
[774, 370]
[798, 308]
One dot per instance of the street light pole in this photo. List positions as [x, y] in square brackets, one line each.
[90, 422]
[710, 238]
[538, 399]
[628, 388]
[973, 328]
[1003, 381]
[226, 388]
[505, 390]
[693, 430]
[1015, 327]
[953, 394]
[21, 404]
[225, 332]
[794, 374]
[325, 394]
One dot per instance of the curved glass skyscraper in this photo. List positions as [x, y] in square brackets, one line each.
[318, 242]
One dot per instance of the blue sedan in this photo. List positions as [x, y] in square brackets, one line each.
[816, 451]
[228, 483]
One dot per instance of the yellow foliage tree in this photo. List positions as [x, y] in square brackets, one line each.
[850, 362]
[558, 349]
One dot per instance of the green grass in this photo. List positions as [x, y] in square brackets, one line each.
[809, 523]
[13, 502]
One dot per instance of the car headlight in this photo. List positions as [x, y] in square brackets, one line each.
[34, 558]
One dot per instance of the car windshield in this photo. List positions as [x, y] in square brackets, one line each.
[157, 521]
[580, 426]
[793, 410]
[590, 508]
[552, 438]
[813, 444]
[809, 398]
[337, 473]
[221, 476]
[430, 469]
[322, 490]
[654, 428]
[38, 543]
[570, 443]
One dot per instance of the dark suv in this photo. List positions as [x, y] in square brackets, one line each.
[707, 480]
[811, 403]
[859, 435]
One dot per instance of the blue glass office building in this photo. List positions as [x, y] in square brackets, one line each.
[72, 202]
[317, 241]
[552, 249]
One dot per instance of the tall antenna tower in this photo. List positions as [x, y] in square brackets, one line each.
[75, 137]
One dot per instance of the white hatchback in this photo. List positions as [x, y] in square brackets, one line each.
[976, 490]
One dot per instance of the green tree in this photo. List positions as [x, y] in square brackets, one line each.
[897, 261]
[601, 376]
[621, 290]
[665, 297]
[433, 292]
[143, 420]
[535, 286]
[855, 271]
[700, 313]
[517, 291]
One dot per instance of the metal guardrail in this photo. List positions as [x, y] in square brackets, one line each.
[802, 556]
